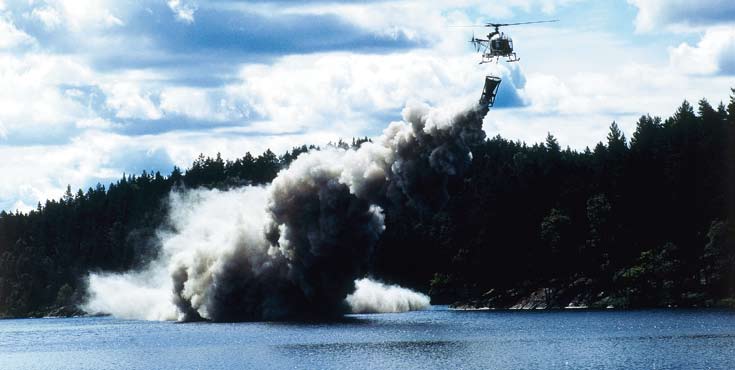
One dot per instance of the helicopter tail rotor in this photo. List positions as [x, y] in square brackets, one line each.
[475, 43]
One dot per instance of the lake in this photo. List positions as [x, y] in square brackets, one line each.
[438, 338]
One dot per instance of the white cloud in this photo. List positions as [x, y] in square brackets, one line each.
[579, 108]
[320, 97]
[347, 90]
[427, 21]
[49, 16]
[94, 123]
[675, 14]
[80, 15]
[200, 104]
[184, 10]
[550, 6]
[76, 15]
[103, 157]
[10, 36]
[87, 159]
[31, 99]
[129, 100]
[713, 54]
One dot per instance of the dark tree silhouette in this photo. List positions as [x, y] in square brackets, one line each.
[650, 222]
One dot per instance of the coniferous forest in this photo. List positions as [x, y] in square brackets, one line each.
[645, 221]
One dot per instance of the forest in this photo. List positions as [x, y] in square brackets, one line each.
[645, 221]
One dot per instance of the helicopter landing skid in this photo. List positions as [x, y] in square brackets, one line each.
[490, 60]
[496, 59]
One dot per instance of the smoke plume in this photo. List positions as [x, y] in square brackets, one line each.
[295, 248]
[374, 297]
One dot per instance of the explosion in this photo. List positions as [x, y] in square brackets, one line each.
[295, 248]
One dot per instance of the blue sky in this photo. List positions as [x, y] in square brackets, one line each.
[92, 89]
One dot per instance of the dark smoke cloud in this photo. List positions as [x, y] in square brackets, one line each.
[294, 249]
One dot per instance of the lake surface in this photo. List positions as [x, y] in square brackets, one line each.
[434, 339]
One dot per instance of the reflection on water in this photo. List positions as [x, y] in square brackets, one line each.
[435, 339]
[420, 345]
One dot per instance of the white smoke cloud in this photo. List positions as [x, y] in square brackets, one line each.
[375, 297]
[145, 296]
[294, 249]
[211, 223]
[206, 225]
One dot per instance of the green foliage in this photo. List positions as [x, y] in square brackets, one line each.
[718, 258]
[632, 220]
[65, 295]
[616, 142]
[440, 288]
[46, 253]
[653, 279]
[552, 145]
[599, 219]
[644, 223]
[555, 228]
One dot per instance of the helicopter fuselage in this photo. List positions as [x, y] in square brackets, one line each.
[496, 45]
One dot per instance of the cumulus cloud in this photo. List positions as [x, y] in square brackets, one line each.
[48, 15]
[345, 91]
[183, 10]
[165, 80]
[10, 36]
[32, 105]
[579, 108]
[189, 75]
[682, 13]
[207, 104]
[75, 15]
[130, 101]
[87, 159]
[713, 54]
[97, 155]
[96, 123]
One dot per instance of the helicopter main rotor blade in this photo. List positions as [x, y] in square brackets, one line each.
[515, 24]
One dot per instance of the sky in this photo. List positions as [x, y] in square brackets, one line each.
[90, 90]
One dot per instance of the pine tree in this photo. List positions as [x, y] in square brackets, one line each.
[551, 144]
[616, 142]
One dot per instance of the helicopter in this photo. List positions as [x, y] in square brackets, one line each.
[497, 44]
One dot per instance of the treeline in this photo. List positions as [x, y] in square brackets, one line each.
[643, 222]
[648, 221]
[46, 254]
